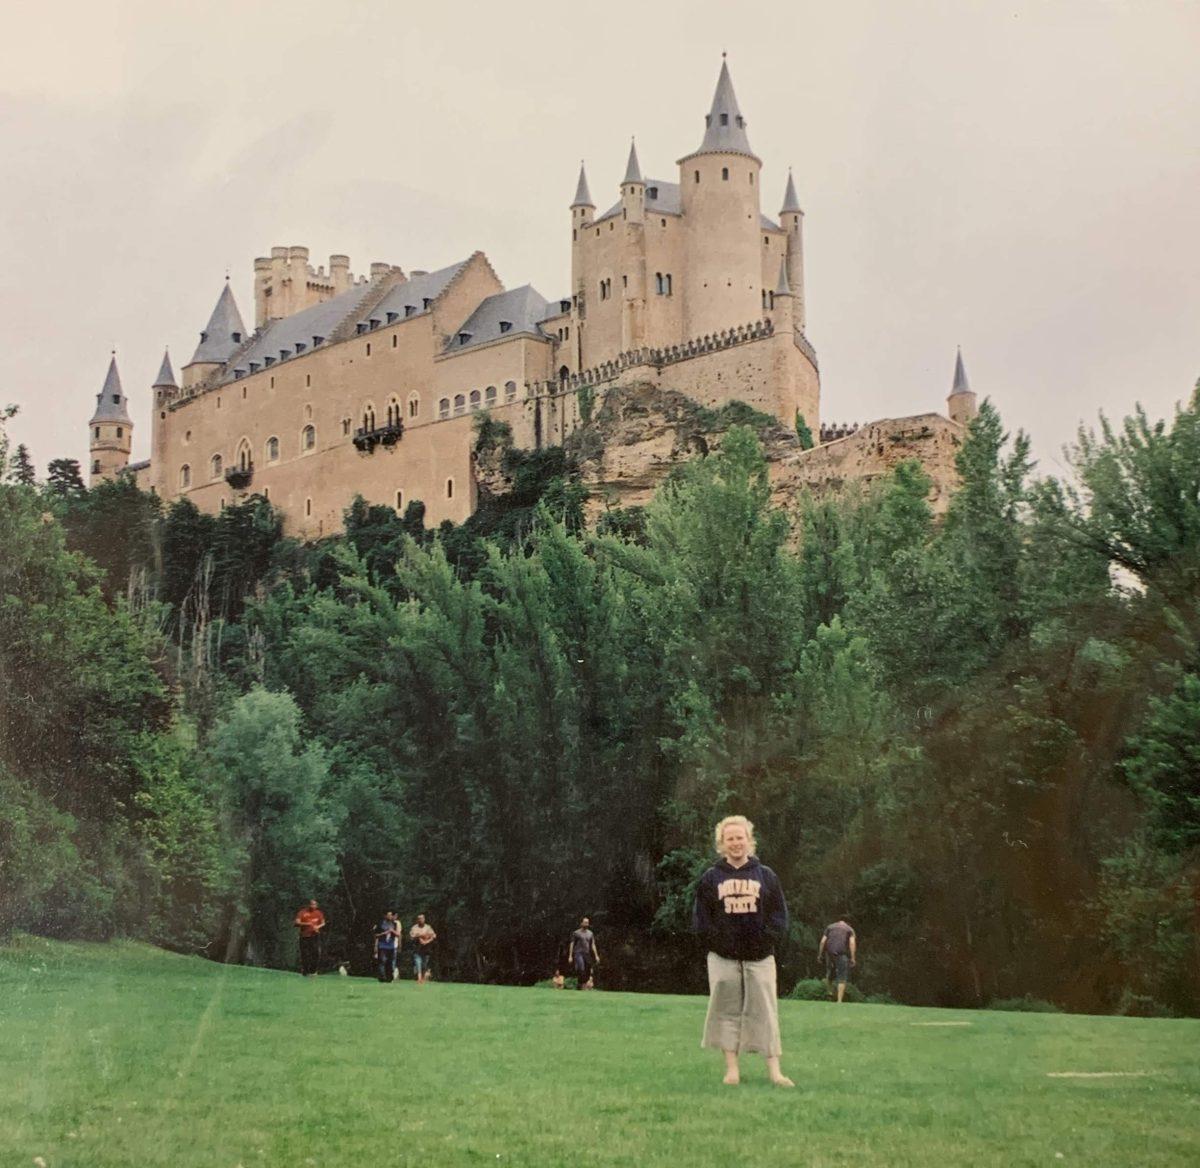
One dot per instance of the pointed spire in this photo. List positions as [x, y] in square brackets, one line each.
[583, 197]
[225, 331]
[110, 401]
[725, 128]
[961, 384]
[166, 375]
[633, 172]
[790, 202]
[783, 288]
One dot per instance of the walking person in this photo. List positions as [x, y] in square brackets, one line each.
[839, 947]
[740, 916]
[423, 938]
[387, 946]
[583, 954]
[310, 920]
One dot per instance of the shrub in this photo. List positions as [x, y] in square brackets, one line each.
[1134, 1005]
[816, 989]
[1025, 1005]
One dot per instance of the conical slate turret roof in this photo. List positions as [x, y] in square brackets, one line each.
[961, 384]
[166, 375]
[725, 131]
[583, 197]
[783, 288]
[790, 202]
[225, 331]
[633, 171]
[110, 401]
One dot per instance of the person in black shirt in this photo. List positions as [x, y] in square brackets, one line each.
[740, 916]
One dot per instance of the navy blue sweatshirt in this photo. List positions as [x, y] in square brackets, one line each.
[740, 913]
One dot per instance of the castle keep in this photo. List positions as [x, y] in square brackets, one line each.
[367, 384]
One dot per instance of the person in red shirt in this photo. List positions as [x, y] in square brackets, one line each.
[310, 921]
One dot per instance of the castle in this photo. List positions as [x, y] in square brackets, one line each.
[368, 384]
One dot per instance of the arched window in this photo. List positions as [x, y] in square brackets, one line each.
[243, 455]
[272, 449]
[460, 404]
[185, 476]
[393, 411]
[563, 374]
[368, 416]
[725, 173]
[414, 405]
[489, 396]
[95, 466]
[474, 399]
[96, 432]
[308, 438]
[510, 391]
[444, 408]
[659, 286]
[214, 466]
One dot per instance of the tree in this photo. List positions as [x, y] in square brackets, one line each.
[63, 478]
[21, 470]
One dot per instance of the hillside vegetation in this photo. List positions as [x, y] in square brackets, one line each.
[977, 737]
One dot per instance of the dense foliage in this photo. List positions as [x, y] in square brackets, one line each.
[976, 736]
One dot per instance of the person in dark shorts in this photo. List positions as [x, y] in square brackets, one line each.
[839, 947]
[310, 920]
[582, 953]
[423, 938]
[387, 946]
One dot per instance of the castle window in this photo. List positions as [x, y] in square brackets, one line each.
[308, 379]
[752, 178]
[243, 456]
[664, 222]
[624, 281]
[318, 341]
[449, 488]
[185, 475]
[393, 411]
[426, 302]
[368, 348]
[444, 408]
[214, 467]
[659, 287]
[489, 395]
[237, 338]
[307, 506]
[395, 340]
[652, 192]
[116, 399]
[243, 393]
[308, 438]
[506, 326]
[724, 119]
[96, 432]
[474, 399]
[771, 299]
[567, 333]
[414, 405]
[218, 403]
[463, 338]
[697, 173]
[120, 432]
[725, 169]
[510, 390]
[391, 316]
[307, 412]
[345, 427]
[95, 466]
[399, 500]
[187, 437]
[272, 449]
[300, 347]
[409, 309]
[460, 404]
[597, 232]
[766, 241]
[368, 417]
[574, 235]
[611, 225]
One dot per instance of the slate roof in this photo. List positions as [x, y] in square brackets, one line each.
[166, 375]
[633, 171]
[519, 308]
[663, 198]
[783, 288]
[225, 331]
[408, 299]
[790, 202]
[111, 405]
[583, 197]
[961, 384]
[725, 128]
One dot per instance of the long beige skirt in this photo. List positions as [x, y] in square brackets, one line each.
[743, 1010]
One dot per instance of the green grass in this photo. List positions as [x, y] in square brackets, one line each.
[120, 1055]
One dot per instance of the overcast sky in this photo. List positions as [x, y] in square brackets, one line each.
[1021, 179]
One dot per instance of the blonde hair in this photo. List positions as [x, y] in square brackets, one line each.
[731, 821]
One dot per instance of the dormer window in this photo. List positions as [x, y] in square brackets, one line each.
[360, 328]
[374, 323]
[463, 338]
[724, 119]
[426, 302]
[409, 309]
[116, 399]
[254, 367]
[268, 361]
[318, 341]
[203, 337]
[652, 192]
[391, 316]
[239, 373]
[506, 326]
[284, 354]
[237, 338]
[300, 347]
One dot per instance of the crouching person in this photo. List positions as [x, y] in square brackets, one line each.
[740, 916]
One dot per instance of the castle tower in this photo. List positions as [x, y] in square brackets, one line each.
[583, 211]
[633, 254]
[791, 219]
[110, 436]
[219, 341]
[164, 391]
[722, 277]
[783, 309]
[962, 404]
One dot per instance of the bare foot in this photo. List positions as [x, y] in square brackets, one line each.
[732, 1079]
[782, 1081]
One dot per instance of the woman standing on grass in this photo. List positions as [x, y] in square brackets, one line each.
[740, 916]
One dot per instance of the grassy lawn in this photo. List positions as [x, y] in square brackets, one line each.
[119, 1055]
